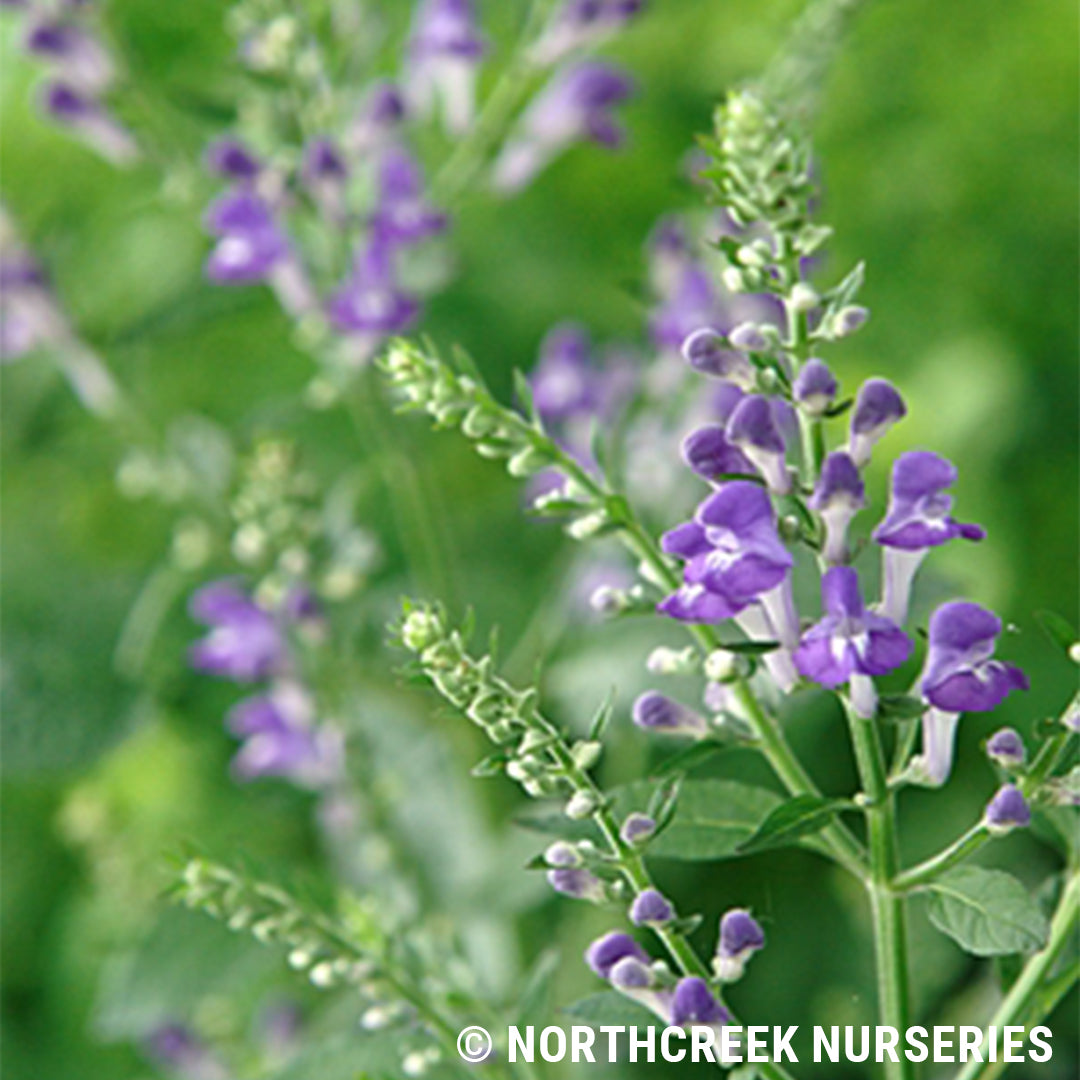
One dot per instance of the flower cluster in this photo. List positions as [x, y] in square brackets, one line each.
[248, 643]
[63, 37]
[340, 224]
[738, 562]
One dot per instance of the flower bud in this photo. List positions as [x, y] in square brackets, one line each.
[1006, 748]
[1007, 810]
[651, 908]
[803, 298]
[666, 661]
[636, 829]
[721, 665]
[580, 805]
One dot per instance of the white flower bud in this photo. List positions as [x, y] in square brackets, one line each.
[733, 279]
[667, 661]
[720, 664]
[589, 525]
[586, 754]
[580, 805]
[803, 298]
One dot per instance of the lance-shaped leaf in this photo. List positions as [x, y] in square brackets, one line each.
[792, 821]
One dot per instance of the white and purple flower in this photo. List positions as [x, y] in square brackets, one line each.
[850, 644]
[578, 103]
[919, 518]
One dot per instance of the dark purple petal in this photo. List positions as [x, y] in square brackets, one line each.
[753, 424]
[1008, 809]
[742, 507]
[878, 404]
[1006, 747]
[840, 479]
[695, 604]
[708, 452]
[323, 161]
[651, 906]
[815, 386]
[604, 953]
[694, 1004]
[66, 104]
[739, 932]
[686, 540]
[238, 211]
[230, 158]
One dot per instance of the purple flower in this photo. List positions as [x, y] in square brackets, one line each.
[28, 316]
[706, 351]
[564, 381]
[1008, 809]
[228, 157]
[250, 244]
[961, 674]
[752, 428]
[849, 640]
[815, 387]
[245, 643]
[636, 828]
[578, 103]
[445, 48]
[75, 52]
[691, 304]
[82, 115]
[634, 978]
[378, 119]
[580, 24]
[918, 518]
[694, 1003]
[654, 712]
[280, 738]
[878, 406]
[371, 305]
[732, 551]
[323, 161]
[402, 215]
[604, 953]
[709, 453]
[577, 882]
[178, 1048]
[1006, 748]
[651, 908]
[740, 937]
[838, 496]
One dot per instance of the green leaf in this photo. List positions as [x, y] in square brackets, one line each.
[712, 818]
[602, 718]
[524, 393]
[690, 758]
[986, 912]
[900, 707]
[1058, 629]
[533, 1005]
[610, 1008]
[792, 820]
[749, 648]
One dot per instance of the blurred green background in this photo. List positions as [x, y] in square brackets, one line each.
[948, 152]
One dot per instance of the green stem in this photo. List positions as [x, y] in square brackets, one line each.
[1020, 1004]
[886, 904]
[412, 506]
[1048, 756]
[632, 867]
[471, 154]
[772, 742]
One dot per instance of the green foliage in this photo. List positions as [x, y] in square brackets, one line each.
[986, 912]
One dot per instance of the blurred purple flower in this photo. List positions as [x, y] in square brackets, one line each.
[402, 215]
[581, 24]
[578, 103]
[246, 643]
[445, 48]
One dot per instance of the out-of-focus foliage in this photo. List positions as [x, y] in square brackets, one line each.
[948, 154]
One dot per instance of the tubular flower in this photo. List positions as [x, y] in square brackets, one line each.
[577, 104]
[960, 675]
[694, 1003]
[580, 24]
[753, 428]
[280, 738]
[655, 712]
[815, 387]
[740, 937]
[850, 644]
[246, 642]
[878, 406]
[838, 496]
[445, 49]
[918, 519]
[732, 551]
[402, 215]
